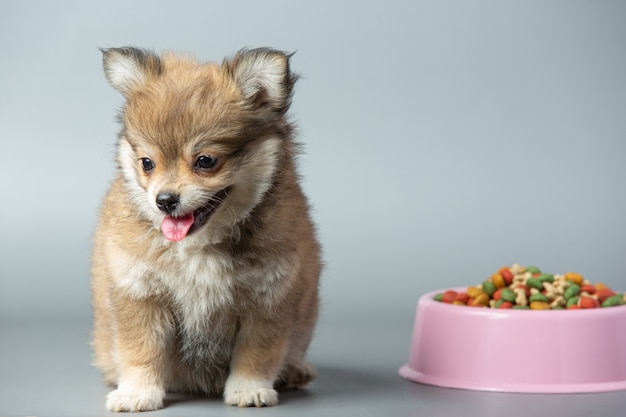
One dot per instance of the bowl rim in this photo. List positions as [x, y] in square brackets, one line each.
[429, 298]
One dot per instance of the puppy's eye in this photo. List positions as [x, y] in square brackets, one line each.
[206, 162]
[147, 165]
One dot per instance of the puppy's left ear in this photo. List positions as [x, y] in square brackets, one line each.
[264, 77]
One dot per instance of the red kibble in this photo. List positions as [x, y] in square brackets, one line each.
[471, 303]
[463, 297]
[588, 288]
[497, 295]
[506, 304]
[588, 302]
[507, 275]
[449, 296]
[603, 294]
[574, 307]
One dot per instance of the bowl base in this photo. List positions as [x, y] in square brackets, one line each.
[410, 374]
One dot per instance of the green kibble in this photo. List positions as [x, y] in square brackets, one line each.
[615, 300]
[533, 270]
[439, 297]
[498, 303]
[489, 287]
[519, 307]
[546, 278]
[539, 297]
[534, 283]
[508, 295]
[572, 291]
[572, 301]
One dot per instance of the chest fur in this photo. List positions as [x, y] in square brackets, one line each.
[201, 284]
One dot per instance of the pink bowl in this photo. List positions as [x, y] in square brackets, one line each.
[517, 350]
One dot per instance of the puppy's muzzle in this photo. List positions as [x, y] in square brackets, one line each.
[167, 201]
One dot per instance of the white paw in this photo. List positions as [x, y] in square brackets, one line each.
[249, 393]
[137, 399]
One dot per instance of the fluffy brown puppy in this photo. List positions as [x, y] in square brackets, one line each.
[205, 263]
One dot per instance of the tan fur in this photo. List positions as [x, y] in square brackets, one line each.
[230, 309]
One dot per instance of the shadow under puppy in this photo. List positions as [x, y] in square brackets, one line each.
[205, 263]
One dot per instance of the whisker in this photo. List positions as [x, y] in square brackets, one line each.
[224, 203]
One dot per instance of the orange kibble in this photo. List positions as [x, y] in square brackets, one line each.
[575, 277]
[539, 305]
[601, 286]
[458, 303]
[473, 292]
[498, 280]
[481, 299]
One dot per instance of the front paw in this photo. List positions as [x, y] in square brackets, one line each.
[296, 376]
[249, 393]
[135, 399]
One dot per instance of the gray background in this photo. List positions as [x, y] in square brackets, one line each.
[444, 139]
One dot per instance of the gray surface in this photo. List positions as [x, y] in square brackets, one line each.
[443, 140]
[48, 366]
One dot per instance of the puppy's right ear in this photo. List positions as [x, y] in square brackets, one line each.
[128, 68]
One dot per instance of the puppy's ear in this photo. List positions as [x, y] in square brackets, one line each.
[127, 68]
[264, 77]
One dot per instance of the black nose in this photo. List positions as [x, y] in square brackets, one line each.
[167, 201]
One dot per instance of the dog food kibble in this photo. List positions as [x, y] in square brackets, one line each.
[528, 288]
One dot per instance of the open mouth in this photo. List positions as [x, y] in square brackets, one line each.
[176, 229]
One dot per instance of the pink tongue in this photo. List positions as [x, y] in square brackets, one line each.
[176, 228]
